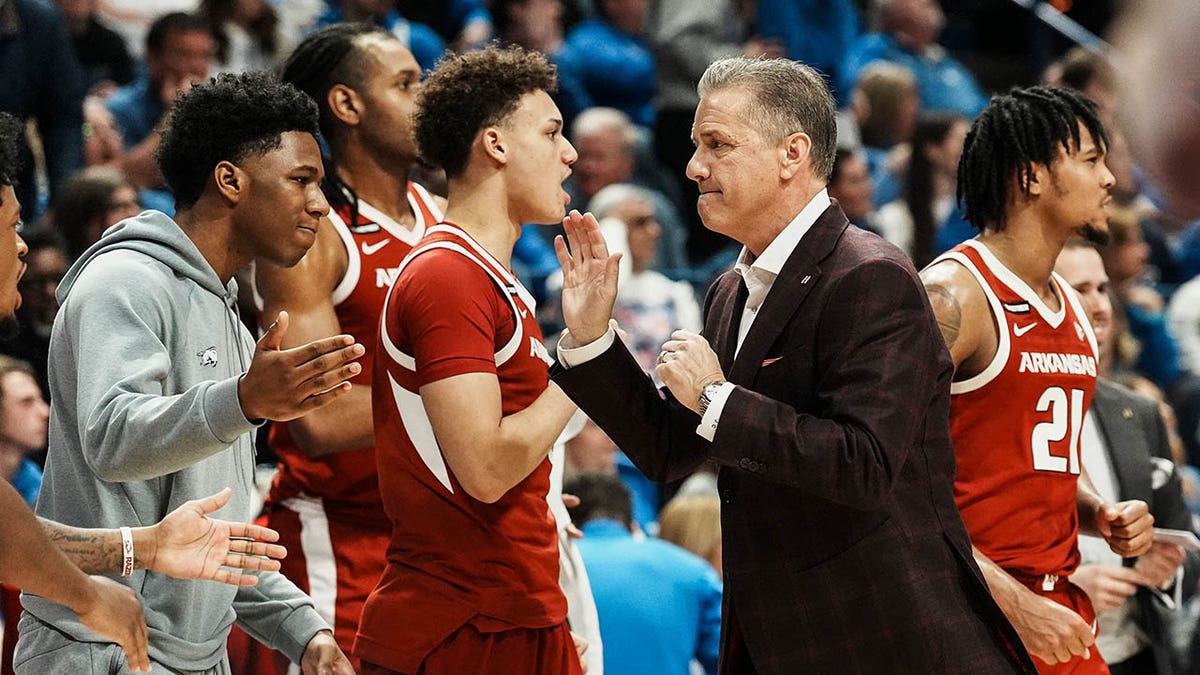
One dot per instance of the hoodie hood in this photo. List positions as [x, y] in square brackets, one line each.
[155, 234]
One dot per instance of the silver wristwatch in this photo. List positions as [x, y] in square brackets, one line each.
[707, 394]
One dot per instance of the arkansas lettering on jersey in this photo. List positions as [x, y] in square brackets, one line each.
[375, 247]
[453, 559]
[1016, 425]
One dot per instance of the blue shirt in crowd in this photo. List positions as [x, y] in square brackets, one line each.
[944, 83]
[599, 65]
[659, 606]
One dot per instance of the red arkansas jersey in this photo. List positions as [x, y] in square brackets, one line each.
[375, 246]
[453, 560]
[1016, 424]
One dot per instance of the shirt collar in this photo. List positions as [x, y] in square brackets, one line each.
[780, 249]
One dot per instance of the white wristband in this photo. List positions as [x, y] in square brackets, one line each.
[126, 552]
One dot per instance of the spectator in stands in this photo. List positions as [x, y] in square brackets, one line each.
[424, 42]
[24, 419]
[660, 606]
[40, 79]
[685, 37]
[649, 306]
[590, 451]
[248, 34]
[815, 32]
[908, 35]
[533, 24]
[102, 142]
[93, 200]
[891, 106]
[693, 523]
[45, 265]
[1125, 262]
[850, 183]
[462, 24]
[925, 220]
[179, 49]
[1091, 74]
[609, 147]
[1125, 450]
[606, 61]
[100, 50]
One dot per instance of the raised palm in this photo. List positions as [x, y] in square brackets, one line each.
[589, 277]
[190, 545]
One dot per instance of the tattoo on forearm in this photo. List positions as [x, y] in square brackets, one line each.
[92, 551]
[948, 312]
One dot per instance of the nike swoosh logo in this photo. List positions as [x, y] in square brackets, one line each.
[1021, 330]
[523, 312]
[369, 249]
[767, 362]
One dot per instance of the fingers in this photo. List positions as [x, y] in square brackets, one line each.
[253, 531]
[577, 239]
[569, 500]
[564, 256]
[255, 555]
[272, 339]
[326, 353]
[213, 502]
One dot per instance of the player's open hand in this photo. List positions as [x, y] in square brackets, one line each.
[1127, 526]
[190, 545]
[1050, 631]
[283, 384]
[686, 365]
[589, 278]
[322, 656]
[113, 612]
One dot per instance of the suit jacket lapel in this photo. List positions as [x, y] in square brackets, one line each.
[798, 276]
[1116, 422]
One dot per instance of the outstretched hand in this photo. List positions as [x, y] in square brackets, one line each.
[283, 384]
[589, 278]
[190, 545]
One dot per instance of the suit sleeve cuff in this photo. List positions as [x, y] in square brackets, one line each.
[573, 356]
[708, 424]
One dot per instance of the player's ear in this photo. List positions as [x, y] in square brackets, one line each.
[494, 144]
[345, 104]
[1037, 179]
[230, 181]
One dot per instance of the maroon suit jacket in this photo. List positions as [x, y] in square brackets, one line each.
[843, 550]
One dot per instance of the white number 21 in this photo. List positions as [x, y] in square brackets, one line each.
[1066, 418]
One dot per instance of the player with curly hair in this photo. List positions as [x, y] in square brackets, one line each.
[465, 415]
[325, 499]
[157, 388]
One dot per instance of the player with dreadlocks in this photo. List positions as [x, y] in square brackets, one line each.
[364, 81]
[1032, 176]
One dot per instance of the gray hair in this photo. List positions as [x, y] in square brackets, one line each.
[595, 120]
[786, 97]
[604, 202]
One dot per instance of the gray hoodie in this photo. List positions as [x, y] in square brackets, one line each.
[145, 358]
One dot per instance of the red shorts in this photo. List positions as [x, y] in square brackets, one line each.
[336, 560]
[532, 651]
[1074, 598]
